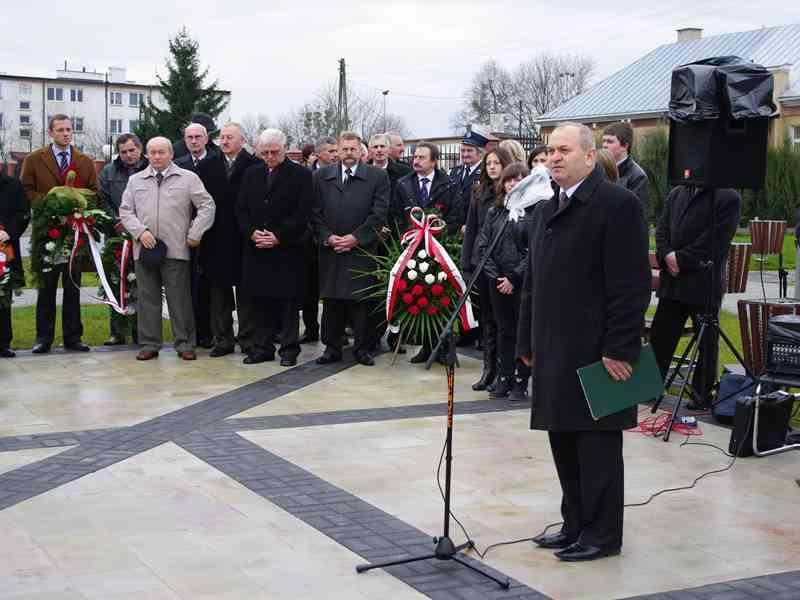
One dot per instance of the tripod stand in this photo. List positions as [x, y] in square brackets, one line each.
[445, 549]
[704, 334]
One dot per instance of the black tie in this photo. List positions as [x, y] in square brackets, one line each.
[563, 199]
[465, 174]
[348, 175]
[159, 178]
[230, 168]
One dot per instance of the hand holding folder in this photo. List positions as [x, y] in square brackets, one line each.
[605, 396]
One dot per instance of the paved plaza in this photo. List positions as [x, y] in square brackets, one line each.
[216, 480]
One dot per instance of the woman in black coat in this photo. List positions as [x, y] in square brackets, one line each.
[483, 198]
[504, 270]
[14, 218]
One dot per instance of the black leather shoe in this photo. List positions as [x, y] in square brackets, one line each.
[553, 540]
[288, 361]
[258, 357]
[309, 338]
[502, 387]
[329, 357]
[114, 341]
[77, 346]
[218, 351]
[40, 348]
[577, 552]
[487, 377]
[206, 343]
[7, 353]
[421, 356]
[365, 359]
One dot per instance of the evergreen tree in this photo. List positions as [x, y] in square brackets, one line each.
[183, 91]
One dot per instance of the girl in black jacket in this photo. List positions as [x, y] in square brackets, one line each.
[505, 269]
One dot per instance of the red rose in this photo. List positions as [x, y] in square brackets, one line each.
[432, 310]
[417, 290]
[437, 290]
[422, 302]
[408, 298]
[445, 301]
[91, 220]
[402, 285]
[54, 234]
[439, 207]
[413, 311]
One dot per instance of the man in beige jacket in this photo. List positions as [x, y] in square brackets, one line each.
[157, 205]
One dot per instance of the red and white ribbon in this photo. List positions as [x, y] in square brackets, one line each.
[423, 230]
[80, 226]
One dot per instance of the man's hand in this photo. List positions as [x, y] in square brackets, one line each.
[119, 227]
[618, 369]
[504, 286]
[672, 264]
[4, 237]
[344, 243]
[192, 243]
[147, 240]
[527, 360]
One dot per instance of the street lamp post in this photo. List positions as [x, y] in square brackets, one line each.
[385, 93]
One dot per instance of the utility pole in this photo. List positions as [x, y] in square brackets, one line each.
[520, 119]
[342, 120]
[385, 93]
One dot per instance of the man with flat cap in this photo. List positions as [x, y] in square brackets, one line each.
[468, 173]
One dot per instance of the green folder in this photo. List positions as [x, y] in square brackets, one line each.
[606, 396]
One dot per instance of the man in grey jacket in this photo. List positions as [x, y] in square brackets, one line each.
[113, 181]
[157, 206]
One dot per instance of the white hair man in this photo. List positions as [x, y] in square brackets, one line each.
[195, 136]
[157, 210]
[592, 235]
[273, 212]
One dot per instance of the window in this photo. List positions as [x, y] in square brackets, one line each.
[115, 98]
[25, 89]
[115, 126]
[25, 133]
[136, 99]
[24, 119]
[134, 125]
[76, 95]
[54, 93]
[77, 124]
[796, 137]
[24, 104]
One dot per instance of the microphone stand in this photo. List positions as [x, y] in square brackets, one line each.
[444, 548]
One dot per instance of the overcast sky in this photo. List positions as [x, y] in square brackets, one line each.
[274, 55]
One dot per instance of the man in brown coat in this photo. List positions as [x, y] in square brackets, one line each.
[42, 170]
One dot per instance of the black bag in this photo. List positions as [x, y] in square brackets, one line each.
[731, 388]
[153, 257]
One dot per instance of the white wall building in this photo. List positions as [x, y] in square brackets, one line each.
[102, 106]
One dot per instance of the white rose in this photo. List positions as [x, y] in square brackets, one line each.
[424, 267]
[131, 276]
[412, 275]
[77, 215]
[412, 264]
[430, 279]
[442, 276]
[50, 246]
[422, 254]
[46, 258]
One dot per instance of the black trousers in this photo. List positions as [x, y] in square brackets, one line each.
[6, 333]
[336, 314]
[311, 297]
[201, 299]
[276, 316]
[505, 308]
[70, 308]
[592, 475]
[668, 324]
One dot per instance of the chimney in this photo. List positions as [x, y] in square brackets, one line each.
[688, 34]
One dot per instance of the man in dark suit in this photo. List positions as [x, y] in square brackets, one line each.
[350, 204]
[585, 293]
[618, 139]
[180, 146]
[15, 213]
[221, 248]
[379, 147]
[683, 248]
[273, 211]
[195, 138]
[42, 170]
[468, 173]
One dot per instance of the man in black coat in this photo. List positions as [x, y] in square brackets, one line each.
[685, 242]
[221, 248]
[272, 212]
[618, 140]
[468, 173]
[15, 214]
[350, 205]
[585, 293]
